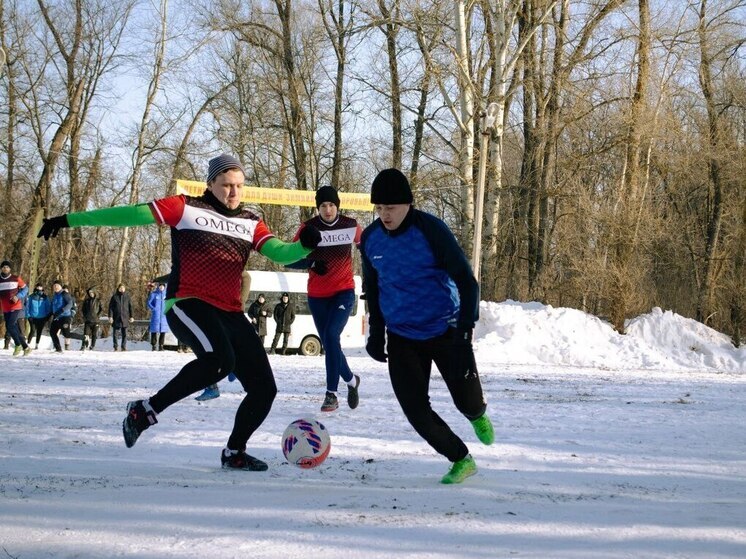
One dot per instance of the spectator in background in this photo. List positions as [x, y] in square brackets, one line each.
[120, 315]
[284, 316]
[73, 312]
[62, 304]
[38, 312]
[13, 291]
[158, 324]
[258, 313]
[92, 309]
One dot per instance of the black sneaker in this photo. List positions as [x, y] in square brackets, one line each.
[235, 460]
[330, 402]
[140, 416]
[353, 399]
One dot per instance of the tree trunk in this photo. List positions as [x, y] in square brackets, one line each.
[466, 124]
[704, 294]
[623, 239]
[140, 156]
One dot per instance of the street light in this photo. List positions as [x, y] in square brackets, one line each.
[488, 124]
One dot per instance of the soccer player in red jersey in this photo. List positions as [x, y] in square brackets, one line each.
[331, 290]
[211, 238]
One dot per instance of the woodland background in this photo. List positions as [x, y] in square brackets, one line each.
[615, 176]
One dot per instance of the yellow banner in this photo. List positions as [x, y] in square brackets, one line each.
[255, 195]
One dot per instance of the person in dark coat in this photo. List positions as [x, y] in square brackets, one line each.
[258, 313]
[120, 315]
[284, 315]
[158, 323]
[91, 309]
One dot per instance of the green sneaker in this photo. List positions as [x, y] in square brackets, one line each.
[483, 429]
[460, 470]
[17, 351]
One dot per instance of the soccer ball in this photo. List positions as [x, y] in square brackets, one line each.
[306, 443]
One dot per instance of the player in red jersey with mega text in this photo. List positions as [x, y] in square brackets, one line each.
[211, 238]
[331, 290]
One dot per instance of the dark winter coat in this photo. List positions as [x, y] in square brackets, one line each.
[157, 306]
[120, 309]
[91, 309]
[258, 313]
[284, 316]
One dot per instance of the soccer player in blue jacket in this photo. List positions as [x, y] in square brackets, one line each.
[422, 296]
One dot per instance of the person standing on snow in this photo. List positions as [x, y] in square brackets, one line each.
[211, 238]
[13, 291]
[422, 293]
[331, 290]
[158, 322]
[91, 309]
[284, 316]
[38, 311]
[258, 313]
[62, 317]
[120, 315]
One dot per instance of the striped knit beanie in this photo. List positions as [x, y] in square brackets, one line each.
[221, 163]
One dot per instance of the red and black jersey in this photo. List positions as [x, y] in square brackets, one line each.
[337, 239]
[9, 288]
[209, 249]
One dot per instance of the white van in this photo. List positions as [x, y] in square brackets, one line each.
[304, 338]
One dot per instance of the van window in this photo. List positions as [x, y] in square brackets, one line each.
[298, 300]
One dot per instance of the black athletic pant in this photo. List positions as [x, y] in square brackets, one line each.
[60, 324]
[223, 342]
[157, 338]
[90, 329]
[115, 338]
[410, 362]
[36, 325]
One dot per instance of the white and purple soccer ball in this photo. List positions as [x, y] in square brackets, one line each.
[306, 443]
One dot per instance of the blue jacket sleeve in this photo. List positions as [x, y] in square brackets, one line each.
[452, 259]
[370, 287]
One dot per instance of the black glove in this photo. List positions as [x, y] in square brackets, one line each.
[319, 266]
[462, 354]
[376, 347]
[310, 237]
[52, 226]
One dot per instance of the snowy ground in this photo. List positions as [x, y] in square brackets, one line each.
[607, 446]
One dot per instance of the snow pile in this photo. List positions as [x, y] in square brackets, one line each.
[531, 333]
[687, 342]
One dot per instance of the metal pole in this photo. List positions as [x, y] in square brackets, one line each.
[488, 123]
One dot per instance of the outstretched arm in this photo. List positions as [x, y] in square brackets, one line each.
[287, 253]
[119, 216]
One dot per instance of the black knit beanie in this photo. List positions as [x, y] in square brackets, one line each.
[390, 187]
[222, 163]
[6, 263]
[327, 194]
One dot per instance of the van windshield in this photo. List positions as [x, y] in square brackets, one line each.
[298, 300]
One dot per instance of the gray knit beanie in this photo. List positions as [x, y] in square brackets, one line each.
[221, 163]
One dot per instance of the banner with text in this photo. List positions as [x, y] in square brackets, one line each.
[255, 195]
